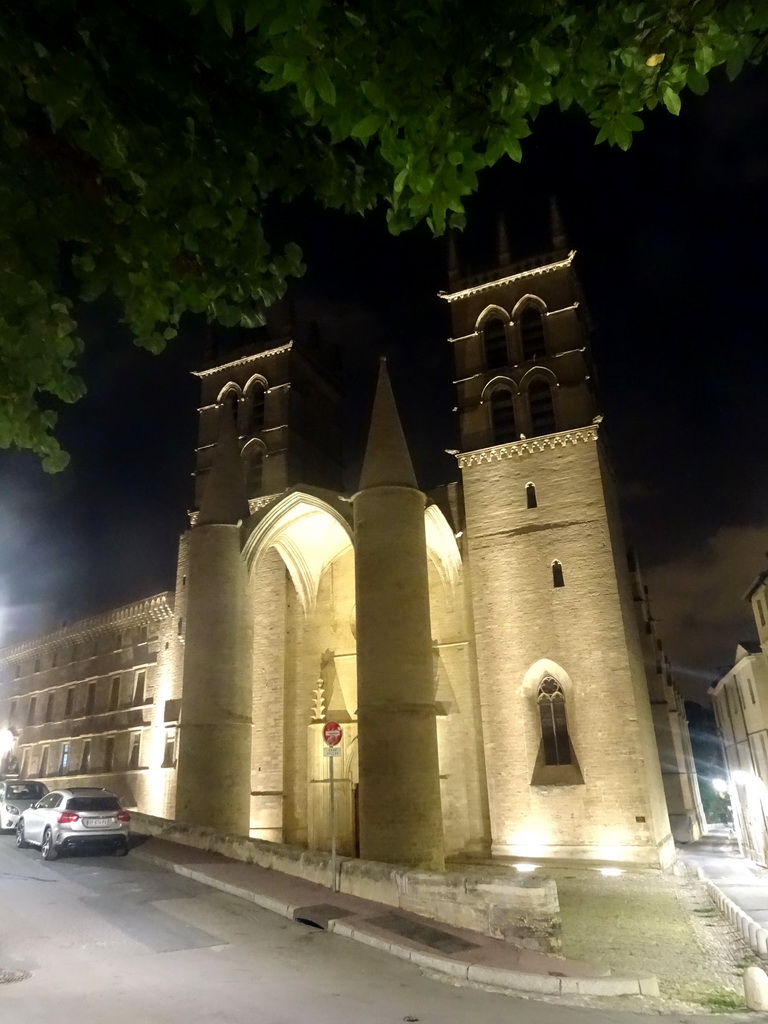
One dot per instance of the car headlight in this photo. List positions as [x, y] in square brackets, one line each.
[12, 810]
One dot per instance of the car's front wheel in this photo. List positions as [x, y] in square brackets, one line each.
[21, 842]
[48, 850]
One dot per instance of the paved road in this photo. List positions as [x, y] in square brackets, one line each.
[112, 940]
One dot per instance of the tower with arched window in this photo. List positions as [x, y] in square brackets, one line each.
[572, 765]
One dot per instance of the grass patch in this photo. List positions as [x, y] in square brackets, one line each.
[720, 999]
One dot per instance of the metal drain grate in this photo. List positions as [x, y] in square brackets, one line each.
[8, 977]
[433, 937]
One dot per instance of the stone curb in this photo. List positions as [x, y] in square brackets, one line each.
[499, 977]
[753, 933]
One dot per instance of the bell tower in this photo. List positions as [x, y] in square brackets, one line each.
[573, 771]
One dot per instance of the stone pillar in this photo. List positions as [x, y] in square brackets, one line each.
[400, 812]
[214, 761]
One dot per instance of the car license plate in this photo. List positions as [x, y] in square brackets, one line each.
[98, 822]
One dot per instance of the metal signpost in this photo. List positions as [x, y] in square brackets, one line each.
[332, 733]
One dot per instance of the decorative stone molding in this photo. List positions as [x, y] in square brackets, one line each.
[527, 446]
[487, 285]
[152, 609]
[244, 360]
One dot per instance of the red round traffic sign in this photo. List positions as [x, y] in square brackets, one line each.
[332, 733]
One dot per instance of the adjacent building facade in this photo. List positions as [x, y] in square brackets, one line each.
[740, 701]
[484, 647]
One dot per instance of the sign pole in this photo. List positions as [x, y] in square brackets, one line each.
[334, 880]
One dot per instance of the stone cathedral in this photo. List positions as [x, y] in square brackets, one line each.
[487, 648]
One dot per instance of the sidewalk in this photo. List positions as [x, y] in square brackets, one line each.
[738, 886]
[463, 955]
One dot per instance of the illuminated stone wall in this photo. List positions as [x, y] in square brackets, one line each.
[608, 804]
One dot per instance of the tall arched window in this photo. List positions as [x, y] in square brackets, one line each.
[495, 342]
[530, 496]
[256, 411]
[503, 416]
[232, 404]
[531, 333]
[254, 471]
[557, 574]
[542, 407]
[554, 724]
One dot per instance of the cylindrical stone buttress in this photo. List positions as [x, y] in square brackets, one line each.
[214, 761]
[400, 813]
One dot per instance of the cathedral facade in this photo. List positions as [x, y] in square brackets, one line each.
[484, 647]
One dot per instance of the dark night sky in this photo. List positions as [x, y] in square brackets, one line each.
[671, 241]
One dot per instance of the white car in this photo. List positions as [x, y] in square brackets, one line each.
[75, 819]
[16, 795]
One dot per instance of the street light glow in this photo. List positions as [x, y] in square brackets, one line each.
[720, 785]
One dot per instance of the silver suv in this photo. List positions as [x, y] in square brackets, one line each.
[73, 819]
[15, 796]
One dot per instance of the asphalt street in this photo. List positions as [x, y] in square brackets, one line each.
[111, 940]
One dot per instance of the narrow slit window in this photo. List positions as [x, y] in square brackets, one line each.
[31, 712]
[114, 694]
[65, 758]
[554, 723]
[90, 699]
[135, 750]
[85, 758]
[495, 344]
[49, 708]
[43, 769]
[70, 702]
[530, 496]
[557, 574]
[503, 416]
[109, 753]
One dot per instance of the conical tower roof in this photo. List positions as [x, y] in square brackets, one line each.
[224, 500]
[387, 459]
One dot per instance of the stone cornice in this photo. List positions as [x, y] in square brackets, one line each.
[244, 360]
[151, 609]
[485, 286]
[582, 435]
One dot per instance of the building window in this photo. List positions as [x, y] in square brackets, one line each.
[554, 725]
[760, 611]
[31, 712]
[532, 333]
[118, 641]
[254, 471]
[495, 344]
[169, 754]
[36, 667]
[90, 699]
[530, 496]
[133, 761]
[23, 769]
[114, 694]
[541, 406]
[503, 416]
[68, 707]
[54, 659]
[43, 770]
[75, 652]
[85, 757]
[65, 758]
[109, 753]
[181, 626]
[49, 708]
[256, 414]
[557, 574]
[751, 691]
[138, 689]
[143, 636]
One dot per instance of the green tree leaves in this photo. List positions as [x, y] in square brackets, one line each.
[148, 178]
